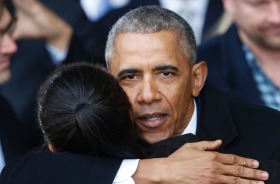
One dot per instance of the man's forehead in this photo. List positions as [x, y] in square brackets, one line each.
[118, 66]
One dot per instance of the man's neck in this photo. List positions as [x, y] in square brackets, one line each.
[268, 59]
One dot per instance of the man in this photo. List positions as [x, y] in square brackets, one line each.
[245, 60]
[160, 114]
[11, 135]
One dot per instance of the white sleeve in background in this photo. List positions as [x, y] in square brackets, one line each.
[126, 170]
[57, 55]
[2, 159]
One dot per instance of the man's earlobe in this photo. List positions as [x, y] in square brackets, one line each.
[199, 74]
[229, 6]
[52, 148]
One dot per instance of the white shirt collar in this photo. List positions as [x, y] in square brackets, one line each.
[192, 126]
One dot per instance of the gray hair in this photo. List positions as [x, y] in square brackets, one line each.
[152, 19]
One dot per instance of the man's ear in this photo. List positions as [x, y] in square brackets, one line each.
[52, 148]
[199, 74]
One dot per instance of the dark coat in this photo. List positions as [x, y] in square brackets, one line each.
[11, 133]
[227, 66]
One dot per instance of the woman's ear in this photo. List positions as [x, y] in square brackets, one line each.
[52, 148]
[199, 74]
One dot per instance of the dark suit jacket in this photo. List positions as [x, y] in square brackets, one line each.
[11, 134]
[246, 130]
[227, 66]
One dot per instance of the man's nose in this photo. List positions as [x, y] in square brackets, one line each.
[274, 12]
[149, 92]
[7, 45]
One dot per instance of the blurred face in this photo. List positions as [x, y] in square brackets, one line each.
[7, 46]
[158, 80]
[258, 21]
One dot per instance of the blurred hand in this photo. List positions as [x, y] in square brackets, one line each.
[37, 21]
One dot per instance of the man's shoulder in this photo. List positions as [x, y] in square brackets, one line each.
[252, 130]
[243, 109]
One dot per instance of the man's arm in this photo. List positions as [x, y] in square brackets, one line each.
[37, 21]
[196, 163]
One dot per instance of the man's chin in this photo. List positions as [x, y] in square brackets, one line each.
[154, 137]
[5, 75]
[270, 43]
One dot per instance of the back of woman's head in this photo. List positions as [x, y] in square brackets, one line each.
[82, 109]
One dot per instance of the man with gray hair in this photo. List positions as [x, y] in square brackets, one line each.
[151, 51]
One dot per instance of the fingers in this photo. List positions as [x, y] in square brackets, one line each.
[233, 165]
[205, 145]
[231, 159]
[244, 172]
[235, 180]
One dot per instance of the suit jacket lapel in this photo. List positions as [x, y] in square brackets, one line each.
[214, 117]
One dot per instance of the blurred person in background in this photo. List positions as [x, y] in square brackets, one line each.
[11, 134]
[29, 67]
[245, 61]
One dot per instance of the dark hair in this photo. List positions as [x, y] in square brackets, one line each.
[82, 109]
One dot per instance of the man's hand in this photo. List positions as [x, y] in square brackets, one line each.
[37, 21]
[197, 163]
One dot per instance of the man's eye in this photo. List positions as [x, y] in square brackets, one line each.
[130, 77]
[165, 74]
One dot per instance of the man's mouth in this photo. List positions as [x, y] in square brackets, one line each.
[152, 120]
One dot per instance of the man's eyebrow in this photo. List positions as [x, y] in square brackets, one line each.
[128, 71]
[1, 10]
[165, 67]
